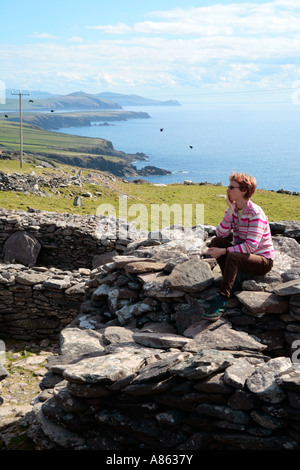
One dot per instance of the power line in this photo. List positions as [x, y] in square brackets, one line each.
[247, 92]
[271, 90]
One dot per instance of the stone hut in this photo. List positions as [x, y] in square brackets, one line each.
[140, 369]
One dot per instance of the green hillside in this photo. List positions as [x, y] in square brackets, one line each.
[39, 141]
[139, 197]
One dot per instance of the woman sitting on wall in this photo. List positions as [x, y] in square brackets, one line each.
[251, 250]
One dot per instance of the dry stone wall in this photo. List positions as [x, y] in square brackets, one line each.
[65, 241]
[150, 389]
[140, 369]
[46, 259]
[37, 303]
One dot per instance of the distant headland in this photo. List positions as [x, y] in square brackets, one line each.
[79, 101]
[47, 112]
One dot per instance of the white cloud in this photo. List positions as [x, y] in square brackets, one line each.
[120, 28]
[238, 46]
[76, 39]
[232, 19]
[287, 3]
[42, 36]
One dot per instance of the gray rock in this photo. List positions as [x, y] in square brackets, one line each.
[159, 368]
[101, 292]
[77, 201]
[160, 340]
[291, 274]
[153, 286]
[122, 261]
[263, 380]
[144, 266]
[99, 260]
[224, 339]
[237, 374]
[170, 256]
[287, 252]
[57, 434]
[128, 312]
[267, 421]
[223, 412]
[149, 388]
[213, 384]
[260, 303]
[203, 364]
[77, 342]
[76, 289]
[117, 334]
[243, 400]
[3, 372]
[288, 288]
[290, 379]
[108, 368]
[57, 283]
[191, 276]
[30, 279]
[88, 390]
[22, 247]
[66, 400]
[204, 326]
[277, 228]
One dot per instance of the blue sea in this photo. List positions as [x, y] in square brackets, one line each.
[263, 141]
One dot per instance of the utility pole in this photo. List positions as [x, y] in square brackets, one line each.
[21, 130]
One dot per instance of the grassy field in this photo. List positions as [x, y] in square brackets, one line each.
[141, 198]
[44, 142]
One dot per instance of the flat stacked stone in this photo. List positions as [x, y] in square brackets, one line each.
[146, 389]
[140, 369]
[37, 303]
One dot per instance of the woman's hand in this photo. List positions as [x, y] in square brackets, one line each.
[230, 203]
[216, 252]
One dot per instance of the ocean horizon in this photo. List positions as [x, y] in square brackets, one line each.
[203, 143]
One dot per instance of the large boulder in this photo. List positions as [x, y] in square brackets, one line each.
[191, 276]
[21, 247]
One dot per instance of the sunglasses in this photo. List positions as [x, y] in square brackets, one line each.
[233, 187]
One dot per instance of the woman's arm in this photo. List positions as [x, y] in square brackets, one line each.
[225, 226]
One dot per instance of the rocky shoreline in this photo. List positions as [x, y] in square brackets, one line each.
[122, 168]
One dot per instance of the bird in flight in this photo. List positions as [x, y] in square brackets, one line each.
[30, 101]
[161, 129]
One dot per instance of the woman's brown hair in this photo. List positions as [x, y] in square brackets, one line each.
[246, 183]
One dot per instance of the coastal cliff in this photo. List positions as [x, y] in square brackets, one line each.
[93, 153]
[50, 121]
[120, 168]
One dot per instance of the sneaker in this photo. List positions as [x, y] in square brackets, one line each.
[216, 309]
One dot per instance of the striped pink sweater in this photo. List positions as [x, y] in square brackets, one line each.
[252, 234]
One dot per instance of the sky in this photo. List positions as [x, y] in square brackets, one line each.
[182, 49]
